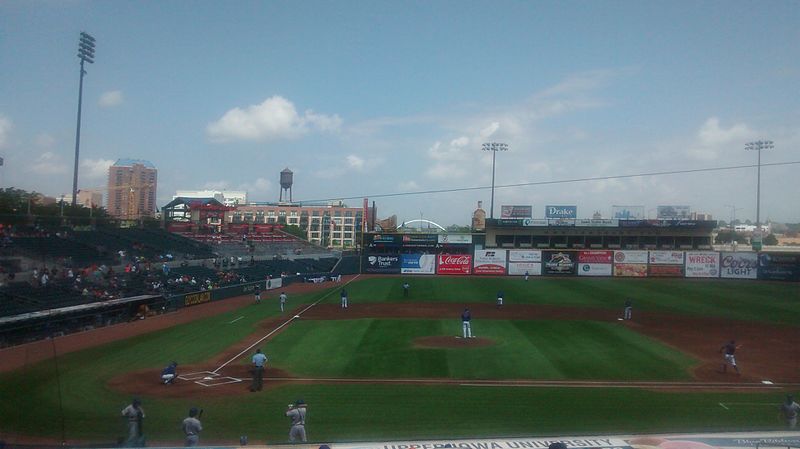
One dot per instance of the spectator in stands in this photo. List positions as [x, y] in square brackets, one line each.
[44, 279]
[165, 269]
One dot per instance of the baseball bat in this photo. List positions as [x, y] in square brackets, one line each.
[200, 414]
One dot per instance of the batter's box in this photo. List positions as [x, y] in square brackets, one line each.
[213, 382]
[198, 375]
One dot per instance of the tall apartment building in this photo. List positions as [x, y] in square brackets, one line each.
[132, 187]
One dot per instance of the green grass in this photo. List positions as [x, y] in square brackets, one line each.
[380, 348]
[540, 349]
[743, 300]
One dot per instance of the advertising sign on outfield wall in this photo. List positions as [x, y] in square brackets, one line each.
[489, 261]
[635, 270]
[666, 257]
[383, 263]
[702, 264]
[630, 257]
[594, 269]
[779, 267]
[597, 222]
[665, 271]
[558, 263]
[455, 264]
[739, 265]
[595, 256]
[520, 268]
[524, 255]
[418, 263]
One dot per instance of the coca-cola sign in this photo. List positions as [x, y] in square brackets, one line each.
[459, 264]
[739, 265]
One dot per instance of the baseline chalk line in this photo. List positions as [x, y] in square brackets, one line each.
[237, 319]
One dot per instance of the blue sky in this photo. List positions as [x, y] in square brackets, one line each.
[365, 98]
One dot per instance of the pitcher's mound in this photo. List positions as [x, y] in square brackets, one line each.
[452, 342]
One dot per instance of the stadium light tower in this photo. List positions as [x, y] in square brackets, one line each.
[85, 54]
[494, 147]
[758, 146]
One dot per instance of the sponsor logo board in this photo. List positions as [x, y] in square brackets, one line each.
[420, 240]
[383, 263]
[456, 264]
[534, 222]
[635, 270]
[558, 263]
[418, 263]
[597, 222]
[595, 256]
[520, 268]
[594, 269]
[702, 264]
[779, 267]
[630, 257]
[455, 238]
[665, 271]
[561, 222]
[516, 211]
[516, 255]
[739, 265]
[666, 257]
[561, 211]
[489, 261]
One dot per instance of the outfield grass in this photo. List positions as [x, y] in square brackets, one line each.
[370, 347]
[541, 349]
[773, 302]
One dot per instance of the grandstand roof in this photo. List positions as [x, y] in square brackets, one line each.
[193, 202]
[131, 162]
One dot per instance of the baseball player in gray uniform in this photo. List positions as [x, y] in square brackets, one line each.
[789, 409]
[297, 412]
[134, 413]
[192, 427]
[283, 299]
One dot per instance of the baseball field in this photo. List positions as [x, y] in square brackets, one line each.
[555, 359]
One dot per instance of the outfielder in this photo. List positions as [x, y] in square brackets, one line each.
[466, 317]
[500, 299]
[728, 351]
[343, 295]
[628, 309]
[257, 294]
[283, 298]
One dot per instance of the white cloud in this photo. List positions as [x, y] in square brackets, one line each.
[445, 170]
[712, 139]
[48, 163]
[95, 168]
[275, 118]
[259, 186]
[489, 130]
[355, 162]
[216, 185]
[408, 186]
[110, 99]
[5, 130]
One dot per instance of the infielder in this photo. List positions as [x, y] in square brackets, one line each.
[283, 298]
[297, 412]
[789, 409]
[728, 351]
[628, 309]
[466, 317]
[343, 295]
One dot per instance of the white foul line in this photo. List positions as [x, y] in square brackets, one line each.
[247, 349]
[723, 406]
[237, 319]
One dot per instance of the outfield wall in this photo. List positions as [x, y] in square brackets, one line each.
[596, 263]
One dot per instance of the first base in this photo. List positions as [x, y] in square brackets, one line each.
[297, 316]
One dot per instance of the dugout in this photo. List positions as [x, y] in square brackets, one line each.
[599, 234]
